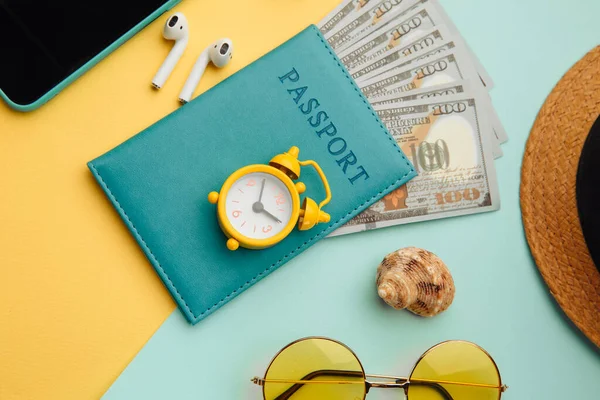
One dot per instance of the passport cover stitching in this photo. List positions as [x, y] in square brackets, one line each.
[276, 264]
[138, 236]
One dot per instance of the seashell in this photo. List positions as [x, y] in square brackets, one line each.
[417, 280]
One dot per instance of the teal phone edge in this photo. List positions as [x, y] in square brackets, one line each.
[91, 63]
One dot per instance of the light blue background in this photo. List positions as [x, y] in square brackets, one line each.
[501, 301]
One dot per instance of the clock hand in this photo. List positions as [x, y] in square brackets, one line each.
[271, 215]
[262, 189]
[258, 206]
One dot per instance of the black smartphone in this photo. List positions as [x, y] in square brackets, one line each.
[45, 45]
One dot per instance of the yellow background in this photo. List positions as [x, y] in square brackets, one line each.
[78, 299]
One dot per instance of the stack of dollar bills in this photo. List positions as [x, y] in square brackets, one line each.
[432, 93]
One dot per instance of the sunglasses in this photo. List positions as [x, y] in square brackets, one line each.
[318, 368]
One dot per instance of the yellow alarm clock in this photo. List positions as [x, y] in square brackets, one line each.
[259, 205]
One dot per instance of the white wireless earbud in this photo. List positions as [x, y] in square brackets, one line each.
[219, 53]
[176, 28]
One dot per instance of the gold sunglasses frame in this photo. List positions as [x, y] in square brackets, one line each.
[398, 381]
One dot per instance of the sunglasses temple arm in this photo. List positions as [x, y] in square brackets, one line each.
[438, 386]
[442, 390]
[399, 382]
[308, 377]
[426, 382]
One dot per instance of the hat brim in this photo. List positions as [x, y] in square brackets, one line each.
[548, 194]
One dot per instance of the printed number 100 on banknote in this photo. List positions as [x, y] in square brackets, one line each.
[448, 143]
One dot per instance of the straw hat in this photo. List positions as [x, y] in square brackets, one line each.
[558, 184]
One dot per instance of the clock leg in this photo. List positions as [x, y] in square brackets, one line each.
[233, 244]
[213, 197]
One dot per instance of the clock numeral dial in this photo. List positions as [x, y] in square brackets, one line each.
[279, 199]
[259, 216]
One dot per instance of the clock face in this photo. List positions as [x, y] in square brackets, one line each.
[259, 205]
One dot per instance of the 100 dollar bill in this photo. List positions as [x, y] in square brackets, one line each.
[431, 38]
[346, 9]
[450, 89]
[372, 16]
[375, 15]
[446, 63]
[405, 28]
[443, 64]
[447, 142]
[483, 74]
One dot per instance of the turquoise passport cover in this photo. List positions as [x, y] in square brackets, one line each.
[297, 95]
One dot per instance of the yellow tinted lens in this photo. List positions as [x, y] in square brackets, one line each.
[315, 369]
[455, 371]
